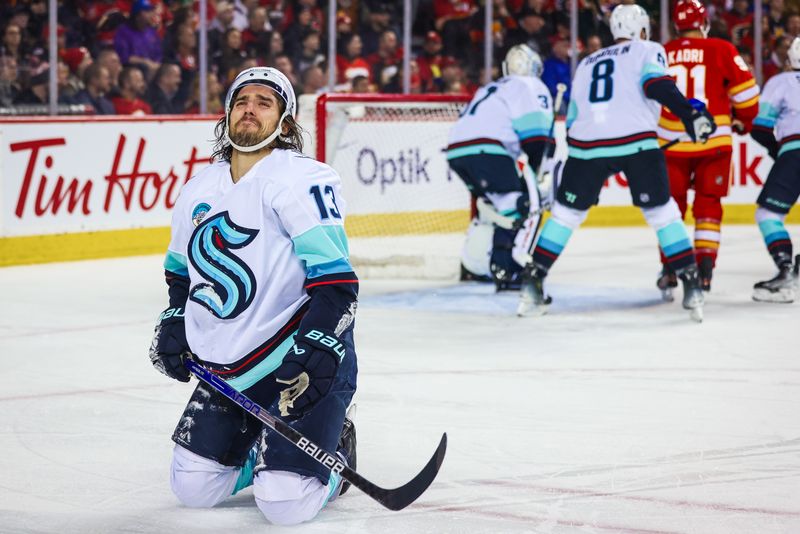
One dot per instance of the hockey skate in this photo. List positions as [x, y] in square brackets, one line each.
[693, 298]
[347, 444]
[667, 281]
[781, 288]
[532, 300]
[706, 268]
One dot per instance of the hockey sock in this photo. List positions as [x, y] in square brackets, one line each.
[245, 478]
[674, 242]
[706, 239]
[551, 242]
[777, 239]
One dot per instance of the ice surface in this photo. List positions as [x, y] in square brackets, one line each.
[614, 413]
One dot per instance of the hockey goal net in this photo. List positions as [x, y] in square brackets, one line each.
[406, 211]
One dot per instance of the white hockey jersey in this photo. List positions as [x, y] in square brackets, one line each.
[779, 108]
[501, 116]
[609, 114]
[248, 248]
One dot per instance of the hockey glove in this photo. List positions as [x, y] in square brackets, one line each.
[308, 370]
[700, 124]
[169, 342]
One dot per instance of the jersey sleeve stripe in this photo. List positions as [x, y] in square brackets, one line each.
[747, 94]
[746, 104]
[538, 138]
[330, 283]
[742, 86]
[176, 263]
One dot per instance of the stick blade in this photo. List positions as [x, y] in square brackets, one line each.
[398, 498]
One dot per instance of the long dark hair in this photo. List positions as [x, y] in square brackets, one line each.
[291, 140]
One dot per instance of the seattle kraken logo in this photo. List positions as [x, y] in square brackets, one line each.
[231, 284]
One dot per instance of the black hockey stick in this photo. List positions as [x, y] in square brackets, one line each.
[393, 499]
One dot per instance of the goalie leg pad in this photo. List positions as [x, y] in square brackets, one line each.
[477, 250]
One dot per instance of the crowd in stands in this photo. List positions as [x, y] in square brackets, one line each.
[141, 56]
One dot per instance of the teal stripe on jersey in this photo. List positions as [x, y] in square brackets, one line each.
[613, 151]
[477, 149]
[767, 114]
[572, 113]
[532, 124]
[265, 367]
[554, 237]
[650, 71]
[176, 263]
[791, 145]
[674, 238]
[324, 250]
[773, 230]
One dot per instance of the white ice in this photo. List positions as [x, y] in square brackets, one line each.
[614, 413]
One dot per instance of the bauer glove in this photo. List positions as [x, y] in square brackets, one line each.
[700, 124]
[308, 371]
[169, 344]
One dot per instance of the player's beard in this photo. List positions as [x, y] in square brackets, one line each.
[250, 137]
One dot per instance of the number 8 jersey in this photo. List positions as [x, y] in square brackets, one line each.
[609, 114]
[253, 252]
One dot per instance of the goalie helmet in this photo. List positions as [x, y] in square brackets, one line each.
[690, 15]
[794, 53]
[275, 80]
[521, 60]
[628, 21]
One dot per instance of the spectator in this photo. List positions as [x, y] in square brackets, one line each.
[309, 53]
[793, 26]
[452, 18]
[275, 46]
[213, 96]
[593, 44]
[351, 63]
[776, 15]
[284, 64]
[557, 70]
[776, 63]
[137, 41]
[164, 89]
[185, 56]
[12, 43]
[230, 55]
[256, 37]
[430, 62]
[292, 38]
[531, 31]
[453, 81]
[385, 64]
[77, 60]
[132, 88]
[739, 21]
[220, 25]
[66, 90]
[240, 15]
[9, 81]
[36, 92]
[360, 84]
[97, 83]
[313, 80]
[109, 58]
[379, 20]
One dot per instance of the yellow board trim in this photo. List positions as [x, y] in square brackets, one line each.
[141, 241]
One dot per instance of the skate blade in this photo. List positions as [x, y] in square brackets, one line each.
[696, 314]
[527, 308]
[667, 295]
[782, 296]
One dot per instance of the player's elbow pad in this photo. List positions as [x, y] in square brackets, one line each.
[665, 92]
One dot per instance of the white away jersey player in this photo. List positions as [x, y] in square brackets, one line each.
[501, 116]
[609, 114]
[779, 108]
[248, 248]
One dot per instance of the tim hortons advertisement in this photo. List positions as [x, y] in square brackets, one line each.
[78, 175]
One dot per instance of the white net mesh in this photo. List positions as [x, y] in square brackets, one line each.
[407, 212]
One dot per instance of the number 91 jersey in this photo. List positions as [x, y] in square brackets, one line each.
[712, 71]
[609, 114]
[248, 249]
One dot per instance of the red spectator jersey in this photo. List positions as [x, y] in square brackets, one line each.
[710, 70]
[131, 107]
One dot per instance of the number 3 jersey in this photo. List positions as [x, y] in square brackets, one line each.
[609, 114]
[502, 116]
[255, 252]
[712, 71]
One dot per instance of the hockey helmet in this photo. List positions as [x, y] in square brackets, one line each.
[628, 21]
[275, 80]
[794, 53]
[690, 15]
[521, 60]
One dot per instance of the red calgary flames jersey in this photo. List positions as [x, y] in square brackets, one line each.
[710, 70]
